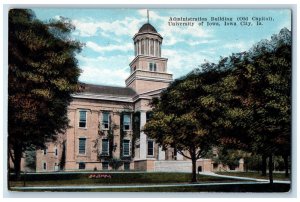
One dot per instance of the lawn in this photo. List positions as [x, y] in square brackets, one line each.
[276, 176]
[52, 179]
[169, 181]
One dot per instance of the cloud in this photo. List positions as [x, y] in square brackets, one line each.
[98, 48]
[181, 62]
[105, 76]
[87, 27]
[238, 46]
[105, 70]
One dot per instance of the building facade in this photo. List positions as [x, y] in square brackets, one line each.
[106, 122]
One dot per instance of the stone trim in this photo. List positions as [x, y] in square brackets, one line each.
[102, 97]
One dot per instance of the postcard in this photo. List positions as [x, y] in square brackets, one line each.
[149, 100]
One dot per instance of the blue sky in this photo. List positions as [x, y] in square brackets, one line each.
[107, 34]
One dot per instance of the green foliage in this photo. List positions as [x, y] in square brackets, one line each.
[115, 163]
[242, 102]
[42, 74]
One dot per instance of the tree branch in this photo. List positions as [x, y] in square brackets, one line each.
[181, 152]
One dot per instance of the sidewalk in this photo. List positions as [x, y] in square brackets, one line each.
[243, 178]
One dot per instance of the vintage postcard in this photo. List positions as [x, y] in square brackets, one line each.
[149, 100]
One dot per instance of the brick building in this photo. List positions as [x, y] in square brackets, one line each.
[106, 121]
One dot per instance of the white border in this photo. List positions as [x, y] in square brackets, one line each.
[144, 4]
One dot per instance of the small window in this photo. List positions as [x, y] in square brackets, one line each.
[126, 147]
[150, 151]
[152, 67]
[126, 166]
[82, 142]
[81, 166]
[45, 166]
[105, 120]
[126, 121]
[82, 119]
[105, 147]
[45, 151]
[105, 166]
[56, 152]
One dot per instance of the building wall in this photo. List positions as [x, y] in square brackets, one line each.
[142, 86]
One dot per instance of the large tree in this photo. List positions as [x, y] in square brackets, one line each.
[185, 115]
[259, 103]
[43, 72]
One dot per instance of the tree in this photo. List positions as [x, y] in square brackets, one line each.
[185, 115]
[43, 72]
[259, 106]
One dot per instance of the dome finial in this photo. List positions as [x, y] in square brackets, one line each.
[148, 15]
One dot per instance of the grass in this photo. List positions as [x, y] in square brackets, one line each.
[82, 179]
[116, 179]
[276, 176]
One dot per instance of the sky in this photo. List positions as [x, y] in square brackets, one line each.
[107, 35]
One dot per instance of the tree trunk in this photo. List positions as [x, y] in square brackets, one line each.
[271, 168]
[264, 165]
[194, 174]
[286, 165]
[17, 160]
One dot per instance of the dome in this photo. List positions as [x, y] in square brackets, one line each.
[147, 28]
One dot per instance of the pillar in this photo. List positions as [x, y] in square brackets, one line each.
[143, 137]
[161, 154]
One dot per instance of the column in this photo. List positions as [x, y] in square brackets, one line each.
[143, 137]
[161, 154]
[179, 156]
[154, 48]
[159, 50]
[148, 46]
[140, 47]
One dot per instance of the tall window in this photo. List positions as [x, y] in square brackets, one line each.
[45, 151]
[126, 147]
[82, 142]
[56, 152]
[126, 121]
[150, 150]
[45, 166]
[105, 120]
[105, 147]
[152, 67]
[82, 119]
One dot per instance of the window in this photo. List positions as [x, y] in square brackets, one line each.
[56, 152]
[126, 147]
[82, 142]
[45, 166]
[152, 67]
[150, 151]
[82, 119]
[45, 151]
[105, 120]
[126, 121]
[105, 147]
[81, 166]
[105, 166]
[126, 166]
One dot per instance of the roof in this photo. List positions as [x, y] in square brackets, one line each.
[147, 28]
[108, 90]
